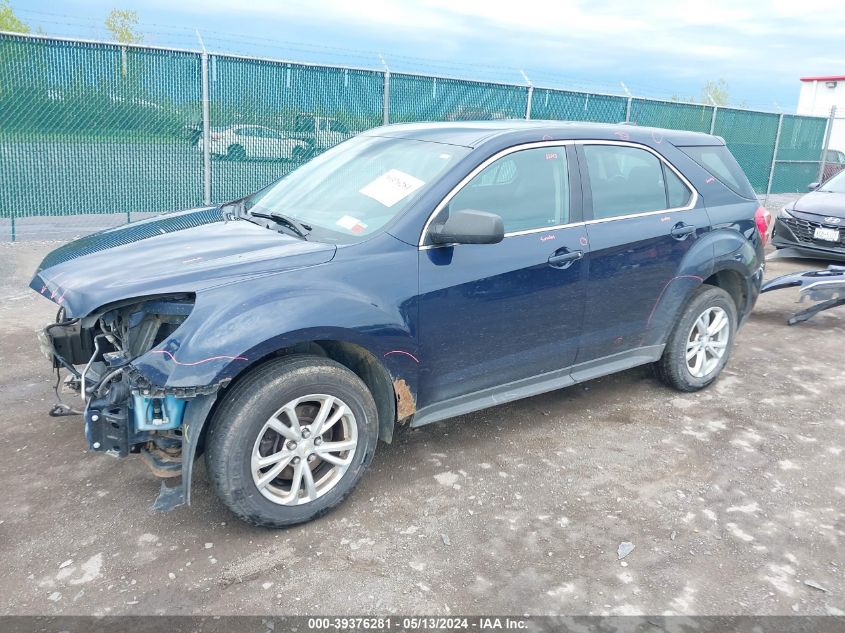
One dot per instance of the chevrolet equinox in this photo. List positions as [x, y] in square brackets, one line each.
[410, 274]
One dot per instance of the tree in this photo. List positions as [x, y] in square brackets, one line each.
[9, 21]
[715, 93]
[122, 23]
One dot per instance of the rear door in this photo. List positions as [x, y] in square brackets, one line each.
[642, 218]
[491, 314]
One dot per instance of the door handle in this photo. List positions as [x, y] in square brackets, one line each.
[565, 260]
[681, 231]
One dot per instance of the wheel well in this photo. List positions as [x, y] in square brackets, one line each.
[368, 369]
[731, 282]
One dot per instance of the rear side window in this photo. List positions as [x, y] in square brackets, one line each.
[720, 163]
[624, 180]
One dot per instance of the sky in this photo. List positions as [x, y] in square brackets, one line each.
[656, 48]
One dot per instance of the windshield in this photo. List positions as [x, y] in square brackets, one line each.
[835, 184]
[355, 188]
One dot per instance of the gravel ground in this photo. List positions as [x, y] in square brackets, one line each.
[734, 499]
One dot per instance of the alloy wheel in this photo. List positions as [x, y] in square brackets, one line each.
[304, 449]
[707, 342]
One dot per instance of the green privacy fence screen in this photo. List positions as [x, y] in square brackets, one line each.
[88, 129]
[577, 106]
[415, 98]
[320, 106]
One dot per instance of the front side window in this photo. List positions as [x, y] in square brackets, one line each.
[358, 186]
[625, 180]
[528, 189]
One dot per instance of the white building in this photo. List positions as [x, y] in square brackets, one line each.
[818, 95]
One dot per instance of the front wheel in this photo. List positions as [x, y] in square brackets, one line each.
[291, 440]
[701, 342]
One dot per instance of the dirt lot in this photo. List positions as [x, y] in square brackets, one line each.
[734, 499]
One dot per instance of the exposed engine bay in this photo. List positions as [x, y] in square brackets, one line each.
[123, 412]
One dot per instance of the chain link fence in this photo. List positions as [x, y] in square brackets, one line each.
[96, 134]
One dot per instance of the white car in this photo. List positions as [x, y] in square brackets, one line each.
[320, 132]
[242, 142]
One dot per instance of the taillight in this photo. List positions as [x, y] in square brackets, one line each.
[763, 219]
[215, 137]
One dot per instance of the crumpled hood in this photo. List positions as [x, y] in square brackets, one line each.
[822, 203]
[177, 252]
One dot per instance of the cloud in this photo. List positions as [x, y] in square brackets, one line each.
[657, 42]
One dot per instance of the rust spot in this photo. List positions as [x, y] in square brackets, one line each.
[406, 406]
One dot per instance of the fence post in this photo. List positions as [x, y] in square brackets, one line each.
[713, 119]
[774, 160]
[529, 101]
[827, 130]
[206, 132]
[12, 217]
[628, 110]
[386, 105]
[530, 96]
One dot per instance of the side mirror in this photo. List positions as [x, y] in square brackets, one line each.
[469, 227]
[813, 186]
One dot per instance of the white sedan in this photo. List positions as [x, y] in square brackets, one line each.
[242, 142]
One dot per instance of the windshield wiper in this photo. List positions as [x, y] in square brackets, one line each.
[302, 230]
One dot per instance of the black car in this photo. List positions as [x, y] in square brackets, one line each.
[814, 225]
[411, 274]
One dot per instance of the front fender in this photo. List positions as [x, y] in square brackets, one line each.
[225, 335]
[366, 296]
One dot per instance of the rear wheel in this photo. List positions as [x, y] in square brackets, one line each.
[291, 441]
[701, 342]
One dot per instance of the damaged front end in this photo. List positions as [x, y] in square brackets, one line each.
[124, 411]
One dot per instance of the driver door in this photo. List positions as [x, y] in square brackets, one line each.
[492, 314]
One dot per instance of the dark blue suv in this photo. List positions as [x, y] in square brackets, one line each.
[410, 274]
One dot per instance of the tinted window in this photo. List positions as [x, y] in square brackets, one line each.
[529, 189]
[720, 162]
[624, 180]
[676, 190]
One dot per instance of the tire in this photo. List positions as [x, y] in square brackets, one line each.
[236, 152]
[238, 435]
[673, 368]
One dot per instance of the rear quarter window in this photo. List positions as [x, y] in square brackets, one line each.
[718, 160]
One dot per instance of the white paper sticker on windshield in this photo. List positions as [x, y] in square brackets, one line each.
[391, 187]
[354, 225]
